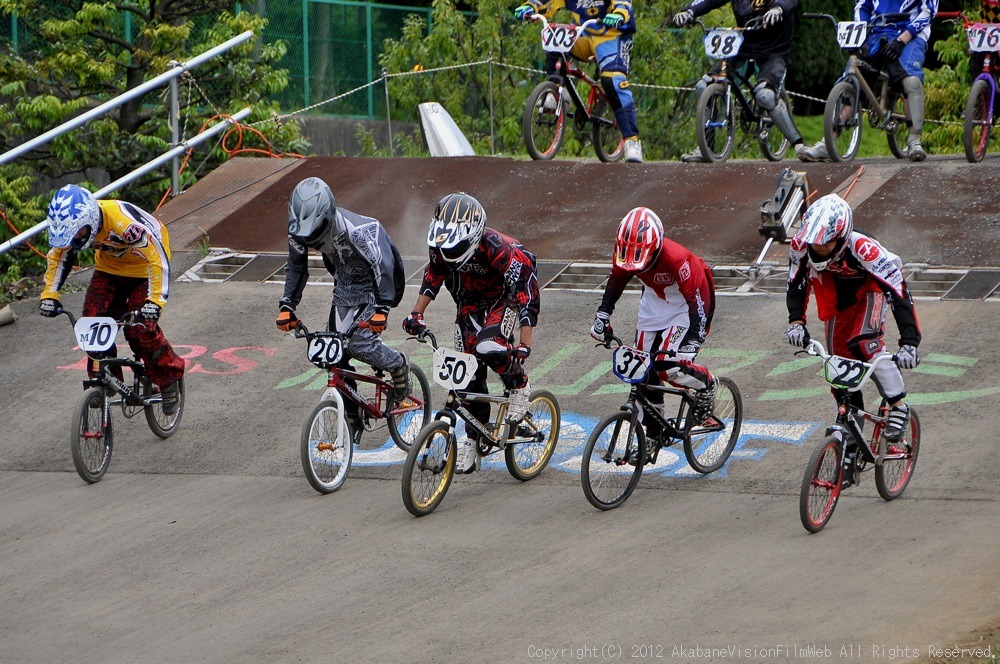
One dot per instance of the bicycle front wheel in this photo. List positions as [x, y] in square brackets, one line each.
[821, 485]
[715, 128]
[612, 460]
[897, 138]
[539, 431]
[90, 437]
[896, 470]
[708, 444]
[976, 130]
[160, 423]
[413, 414]
[609, 144]
[326, 451]
[543, 126]
[429, 468]
[772, 142]
[842, 122]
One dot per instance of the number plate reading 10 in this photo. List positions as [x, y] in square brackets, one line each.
[95, 333]
[454, 370]
[325, 352]
[851, 34]
[845, 372]
[630, 364]
[559, 37]
[723, 43]
[984, 37]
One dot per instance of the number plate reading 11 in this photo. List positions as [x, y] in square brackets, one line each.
[325, 352]
[851, 34]
[559, 37]
[454, 370]
[95, 333]
[844, 372]
[984, 37]
[723, 43]
[630, 364]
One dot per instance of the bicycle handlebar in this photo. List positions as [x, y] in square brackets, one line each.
[128, 318]
[815, 348]
[668, 354]
[545, 22]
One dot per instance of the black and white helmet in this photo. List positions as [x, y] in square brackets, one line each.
[312, 214]
[457, 227]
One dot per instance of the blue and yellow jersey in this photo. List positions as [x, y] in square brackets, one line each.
[130, 243]
[584, 10]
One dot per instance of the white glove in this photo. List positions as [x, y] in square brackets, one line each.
[687, 352]
[907, 357]
[683, 18]
[772, 16]
[797, 335]
[601, 329]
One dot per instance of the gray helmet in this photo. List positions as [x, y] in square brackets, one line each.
[312, 214]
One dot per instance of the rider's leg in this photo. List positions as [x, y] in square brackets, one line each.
[695, 156]
[369, 348]
[163, 366]
[613, 57]
[909, 74]
[772, 73]
[104, 299]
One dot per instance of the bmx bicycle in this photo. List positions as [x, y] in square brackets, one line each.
[527, 445]
[618, 447]
[893, 461]
[980, 108]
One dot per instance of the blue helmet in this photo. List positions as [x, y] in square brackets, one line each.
[72, 209]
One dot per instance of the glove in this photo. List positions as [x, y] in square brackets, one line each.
[891, 50]
[613, 20]
[520, 353]
[524, 12]
[687, 352]
[414, 324]
[772, 16]
[286, 319]
[907, 357]
[378, 320]
[797, 335]
[683, 18]
[150, 310]
[49, 308]
[601, 329]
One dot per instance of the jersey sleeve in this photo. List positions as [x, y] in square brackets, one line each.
[520, 281]
[886, 268]
[59, 264]
[434, 275]
[296, 274]
[146, 237]
[372, 244]
[617, 281]
[797, 293]
[696, 289]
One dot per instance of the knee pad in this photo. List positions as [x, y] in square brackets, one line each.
[765, 96]
[912, 85]
[700, 86]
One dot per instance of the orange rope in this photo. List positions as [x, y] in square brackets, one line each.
[16, 232]
[857, 176]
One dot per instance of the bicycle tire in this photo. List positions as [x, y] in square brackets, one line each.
[543, 130]
[526, 460]
[160, 423]
[609, 144]
[429, 468]
[91, 438]
[894, 102]
[776, 144]
[607, 476]
[325, 452]
[842, 134]
[405, 427]
[893, 476]
[821, 485]
[706, 446]
[976, 128]
[713, 104]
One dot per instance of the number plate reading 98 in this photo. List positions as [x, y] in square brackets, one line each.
[723, 43]
[325, 352]
[630, 364]
[454, 370]
[559, 37]
[984, 37]
[845, 372]
[95, 333]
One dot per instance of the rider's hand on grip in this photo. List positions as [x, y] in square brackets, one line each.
[687, 352]
[907, 357]
[601, 329]
[524, 12]
[150, 310]
[286, 319]
[379, 319]
[797, 335]
[49, 308]
[772, 16]
[613, 20]
[891, 49]
[414, 323]
[520, 353]
[684, 18]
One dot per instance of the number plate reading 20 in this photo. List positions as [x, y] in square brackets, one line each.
[95, 333]
[630, 364]
[325, 352]
[559, 37]
[454, 370]
[723, 43]
[845, 372]
[984, 37]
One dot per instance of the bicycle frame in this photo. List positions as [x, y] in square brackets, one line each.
[566, 71]
[879, 115]
[991, 74]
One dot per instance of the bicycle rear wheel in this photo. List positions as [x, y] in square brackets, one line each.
[842, 122]
[775, 145]
[976, 129]
[894, 102]
[413, 414]
[544, 129]
[821, 485]
[429, 468]
[326, 451]
[612, 460]
[715, 128]
[896, 470]
[609, 144]
[708, 444]
[160, 423]
[539, 430]
[91, 437]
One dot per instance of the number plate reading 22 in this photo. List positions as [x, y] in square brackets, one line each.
[95, 333]
[845, 372]
[325, 352]
[454, 370]
[559, 37]
[630, 364]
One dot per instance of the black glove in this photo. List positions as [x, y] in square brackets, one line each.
[49, 308]
[379, 319]
[520, 353]
[414, 323]
[150, 310]
[286, 321]
[892, 49]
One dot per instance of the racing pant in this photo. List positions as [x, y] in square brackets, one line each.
[686, 374]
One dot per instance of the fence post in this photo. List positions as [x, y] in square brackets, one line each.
[305, 52]
[174, 120]
[388, 111]
[492, 144]
[371, 66]
[13, 31]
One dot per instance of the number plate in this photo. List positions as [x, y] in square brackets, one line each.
[559, 37]
[984, 37]
[325, 352]
[851, 34]
[95, 333]
[844, 372]
[631, 365]
[454, 370]
[723, 43]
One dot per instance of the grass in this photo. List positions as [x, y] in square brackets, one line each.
[873, 141]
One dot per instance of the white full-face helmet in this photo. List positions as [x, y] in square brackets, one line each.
[74, 218]
[829, 218]
[457, 227]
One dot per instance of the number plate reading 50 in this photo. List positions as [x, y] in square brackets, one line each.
[95, 333]
[984, 37]
[325, 352]
[723, 43]
[845, 372]
[851, 34]
[630, 364]
[454, 370]
[559, 37]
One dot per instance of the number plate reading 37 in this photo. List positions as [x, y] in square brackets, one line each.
[844, 372]
[984, 37]
[325, 352]
[630, 364]
[851, 34]
[454, 370]
[723, 43]
[95, 333]
[559, 37]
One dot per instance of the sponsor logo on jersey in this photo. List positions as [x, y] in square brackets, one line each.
[685, 272]
[133, 233]
[866, 249]
[664, 278]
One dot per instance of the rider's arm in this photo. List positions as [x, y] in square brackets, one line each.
[59, 264]
[617, 282]
[526, 335]
[296, 273]
[797, 295]
[695, 286]
[377, 251]
[434, 276]
[157, 258]
[517, 267]
[863, 10]
[886, 268]
[919, 23]
[702, 7]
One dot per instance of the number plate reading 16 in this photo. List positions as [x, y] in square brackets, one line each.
[454, 370]
[630, 364]
[723, 43]
[984, 37]
[851, 34]
[95, 333]
[325, 352]
[559, 37]
[844, 372]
